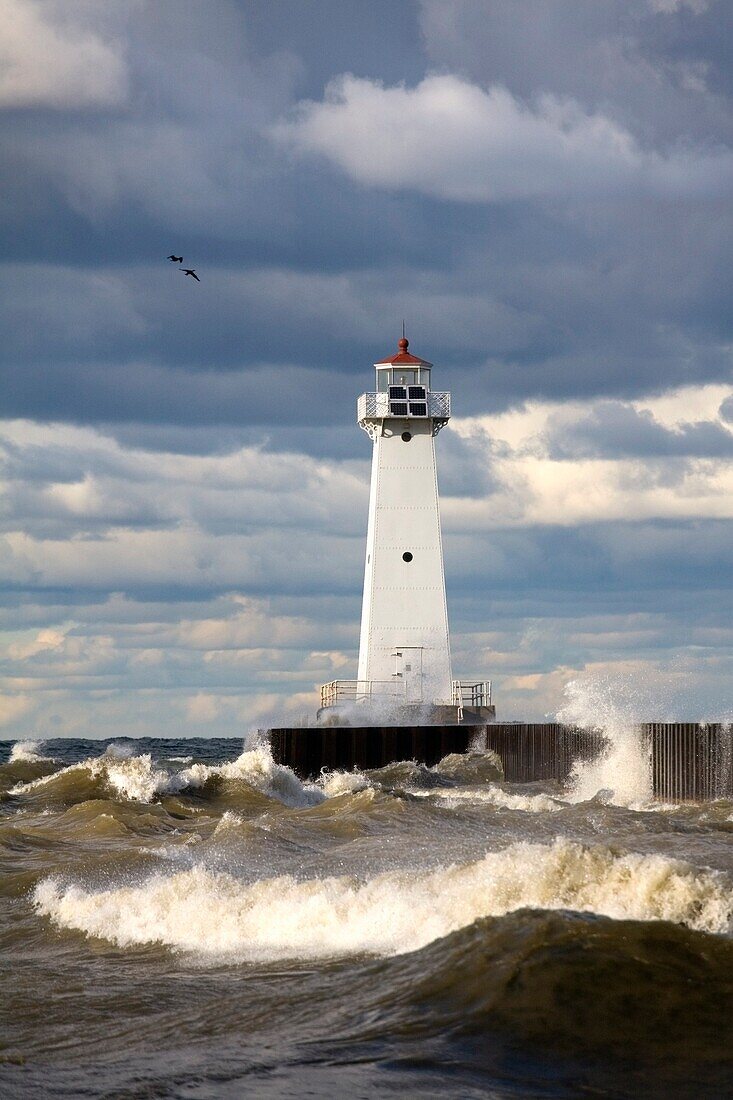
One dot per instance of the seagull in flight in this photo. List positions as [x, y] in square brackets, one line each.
[176, 259]
[190, 271]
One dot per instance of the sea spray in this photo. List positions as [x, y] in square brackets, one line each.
[622, 773]
[215, 914]
[28, 752]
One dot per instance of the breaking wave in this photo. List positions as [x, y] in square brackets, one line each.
[27, 751]
[215, 914]
[25, 763]
[471, 767]
[506, 800]
[623, 770]
[117, 773]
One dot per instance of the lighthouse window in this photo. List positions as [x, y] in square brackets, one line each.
[407, 556]
[397, 393]
[416, 393]
[398, 408]
[406, 437]
[418, 408]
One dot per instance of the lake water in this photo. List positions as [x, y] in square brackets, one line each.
[188, 919]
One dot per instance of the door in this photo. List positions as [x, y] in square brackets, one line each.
[408, 670]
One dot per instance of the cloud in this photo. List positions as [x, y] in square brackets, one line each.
[49, 58]
[667, 7]
[450, 138]
[202, 708]
[616, 428]
[14, 707]
[44, 640]
[665, 79]
[599, 461]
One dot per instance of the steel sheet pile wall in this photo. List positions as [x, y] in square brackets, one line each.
[690, 761]
[687, 760]
[541, 750]
[310, 749]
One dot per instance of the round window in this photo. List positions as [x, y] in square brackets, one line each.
[406, 437]
[407, 556]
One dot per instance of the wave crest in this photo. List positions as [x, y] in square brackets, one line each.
[27, 751]
[134, 778]
[214, 914]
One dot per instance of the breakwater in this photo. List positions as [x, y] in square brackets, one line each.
[310, 749]
[687, 760]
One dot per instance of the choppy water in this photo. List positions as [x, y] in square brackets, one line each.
[187, 919]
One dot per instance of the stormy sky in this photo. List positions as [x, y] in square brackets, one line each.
[541, 188]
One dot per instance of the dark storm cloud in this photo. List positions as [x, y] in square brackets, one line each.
[664, 73]
[522, 297]
[567, 567]
[616, 430]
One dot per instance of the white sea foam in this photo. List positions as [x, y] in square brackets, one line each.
[495, 796]
[624, 769]
[214, 914]
[335, 783]
[257, 768]
[135, 777]
[27, 751]
[138, 779]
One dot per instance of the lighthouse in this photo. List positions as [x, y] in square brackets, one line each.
[404, 646]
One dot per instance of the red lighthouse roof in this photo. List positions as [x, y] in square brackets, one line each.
[403, 358]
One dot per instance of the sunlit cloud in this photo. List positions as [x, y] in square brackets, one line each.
[453, 139]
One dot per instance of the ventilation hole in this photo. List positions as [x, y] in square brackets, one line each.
[406, 437]
[407, 556]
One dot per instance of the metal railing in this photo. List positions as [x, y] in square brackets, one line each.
[375, 406]
[473, 695]
[361, 691]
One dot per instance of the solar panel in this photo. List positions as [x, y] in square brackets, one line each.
[397, 393]
[418, 408]
[398, 408]
[416, 393]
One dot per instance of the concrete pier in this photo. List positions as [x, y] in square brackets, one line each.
[688, 761]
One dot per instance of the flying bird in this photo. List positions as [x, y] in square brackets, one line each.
[190, 271]
[176, 259]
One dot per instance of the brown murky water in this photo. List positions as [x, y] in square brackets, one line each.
[183, 919]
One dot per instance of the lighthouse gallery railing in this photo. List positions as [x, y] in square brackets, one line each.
[375, 406]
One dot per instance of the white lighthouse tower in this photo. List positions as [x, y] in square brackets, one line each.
[404, 649]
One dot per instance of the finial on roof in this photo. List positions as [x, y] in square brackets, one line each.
[404, 343]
